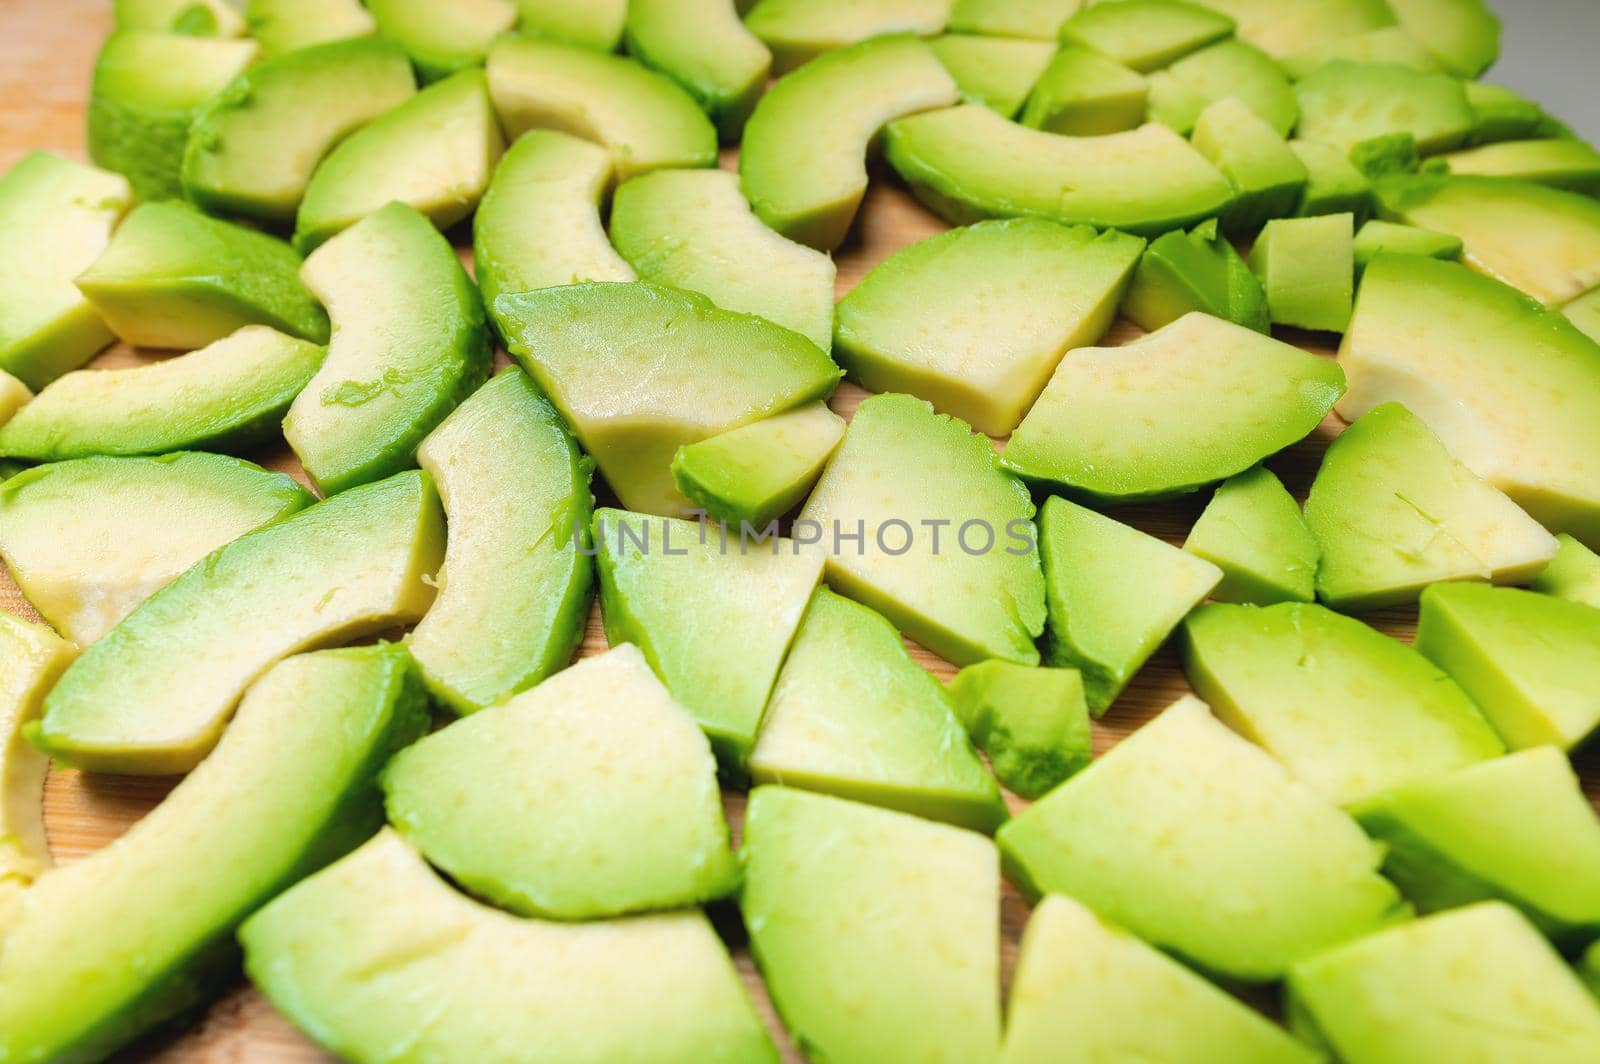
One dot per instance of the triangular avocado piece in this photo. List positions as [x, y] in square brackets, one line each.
[1254, 532]
[1574, 573]
[1032, 722]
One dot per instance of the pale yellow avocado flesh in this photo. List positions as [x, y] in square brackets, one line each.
[798, 31]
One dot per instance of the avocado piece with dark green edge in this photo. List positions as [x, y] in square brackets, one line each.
[1273, 872]
[755, 474]
[1084, 94]
[515, 490]
[1378, 237]
[1031, 722]
[1463, 34]
[1573, 574]
[109, 946]
[802, 165]
[68, 529]
[1333, 185]
[1108, 425]
[799, 31]
[228, 396]
[997, 72]
[1252, 530]
[56, 218]
[853, 716]
[596, 24]
[706, 49]
[1346, 103]
[966, 163]
[1228, 68]
[409, 343]
[591, 795]
[1501, 114]
[1562, 163]
[347, 953]
[1283, 30]
[1038, 20]
[198, 18]
[1307, 266]
[1589, 968]
[1391, 155]
[962, 319]
[443, 36]
[154, 694]
[281, 26]
[1267, 177]
[1146, 34]
[1198, 270]
[147, 89]
[1113, 593]
[1390, 45]
[849, 985]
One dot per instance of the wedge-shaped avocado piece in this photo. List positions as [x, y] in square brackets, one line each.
[1379, 237]
[643, 118]
[968, 163]
[348, 953]
[1345, 103]
[34, 657]
[173, 277]
[655, 571]
[997, 72]
[849, 985]
[227, 396]
[628, 366]
[515, 588]
[1146, 34]
[1252, 530]
[1557, 162]
[596, 24]
[1333, 184]
[1584, 312]
[1179, 94]
[1463, 34]
[599, 753]
[802, 164]
[1114, 595]
[1394, 513]
[409, 343]
[1573, 574]
[1267, 177]
[1501, 114]
[760, 472]
[434, 152]
[88, 540]
[281, 26]
[1198, 270]
[1530, 661]
[964, 320]
[706, 49]
[154, 694]
[1084, 94]
[1423, 994]
[798, 31]
[852, 715]
[1510, 389]
[693, 229]
[1038, 20]
[1031, 722]
[1283, 30]
[1307, 267]
[1083, 983]
[142, 930]
[252, 151]
[201, 18]
[1108, 424]
[1389, 45]
[903, 475]
[443, 36]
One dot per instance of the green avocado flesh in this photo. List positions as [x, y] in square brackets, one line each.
[1268, 178]
[515, 588]
[384, 961]
[1574, 573]
[1179, 94]
[997, 72]
[443, 36]
[1286, 30]
[1198, 270]
[592, 795]
[596, 24]
[142, 930]
[1565, 164]
[1584, 312]
[1032, 19]
[1307, 268]
[227, 396]
[1389, 45]
[1032, 723]
[1083, 93]
[1378, 237]
[281, 26]
[1146, 34]
[707, 50]
[1344, 104]
[351, 566]
[799, 31]
[87, 540]
[1272, 872]
[1462, 34]
[1500, 114]
[1252, 530]
[850, 984]
[35, 657]
[760, 472]
[1334, 185]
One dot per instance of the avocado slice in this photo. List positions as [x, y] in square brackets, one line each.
[1394, 513]
[853, 716]
[1083, 983]
[56, 218]
[1198, 270]
[1085, 94]
[706, 49]
[348, 953]
[409, 343]
[176, 278]
[1114, 595]
[66, 529]
[1038, 20]
[976, 319]
[1573, 574]
[1252, 530]
[755, 474]
[802, 164]
[1391, 45]
[1261, 395]
[596, 24]
[693, 229]
[1307, 267]
[1146, 34]
[1463, 34]
[443, 36]
[109, 946]
[34, 658]
[743, 590]
[643, 118]
[252, 150]
[967, 163]
[997, 72]
[628, 366]
[344, 568]
[1268, 178]
[903, 475]
[799, 31]
[1333, 184]
[1284, 30]
[1343, 104]
[1228, 68]
[147, 89]
[199, 18]
[1561, 163]
[1272, 871]
[515, 490]
[1501, 114]
[599, 753]
[1378, 237]
[280, 26]
[1032, 723]
[849, 984]
[1422, 994]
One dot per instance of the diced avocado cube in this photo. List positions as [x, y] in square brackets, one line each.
[1334, 185]
[1198, 270]
[706, 49]
[1252, 530]
[1033, 723]
[281, 26]
[1345, 103]
[1268, 178]
[758, 473]
[1227, 68]
[1574, 573]
[997, 72]
[1558, 162]
[1378, 237]
[1146, 34]
[443, 36]
[1082, 93]
[1308, 268]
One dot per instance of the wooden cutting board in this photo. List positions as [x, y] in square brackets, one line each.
[46, 53]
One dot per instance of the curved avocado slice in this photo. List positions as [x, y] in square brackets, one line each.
[443, 36]
[997, 72]
[1229, 68]
[409, 343]
[799, 31]
[1573, 574]
[592, 795]
[252, 151]
[68, 529]
[706, 49]
[1084, 94]
[1146, 34]
[968, 163]
[281, 26]
[803, 161]
[347, 953]
[758, 473]
[515, 490]
[141, 931]
[1557, 162]
[596, 24]
[201, 18]
[1038, 20]
[1346, 103]
[1463, 34]
[155, 693]
[1252, 530]
[1032, 723]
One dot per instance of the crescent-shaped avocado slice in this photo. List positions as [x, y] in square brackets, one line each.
[705, 48]
[443, 36]
[799, 31]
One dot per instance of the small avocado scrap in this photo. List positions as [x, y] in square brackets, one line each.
[1344, 103]
[443, 36]
[34, 658]
[1031, 722]
[1333, 184]
[1463, 34]
[1038, 20]
[1561, 163]
[1267, 177]
[281, 26]
[1180, 93]
[706, 49]
[1307, 267]
[200, 18]
[1146, 34]
[1573, 574]
[799, 31]
[1084, 94]
[997, 72]
[596, 24]
[1252, 530]
[1378, 237]
[1198, 270]
[757, 473]
[1390, 45]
